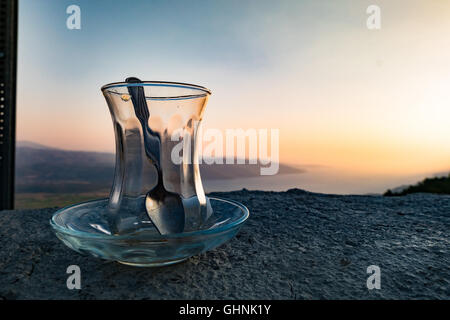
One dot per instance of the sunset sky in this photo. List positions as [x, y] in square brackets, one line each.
[368, 101]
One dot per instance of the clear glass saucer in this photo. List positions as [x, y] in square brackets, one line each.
[84, 228]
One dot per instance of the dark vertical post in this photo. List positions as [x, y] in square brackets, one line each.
[8, 61]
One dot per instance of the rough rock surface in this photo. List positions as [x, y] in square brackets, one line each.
[296, 245]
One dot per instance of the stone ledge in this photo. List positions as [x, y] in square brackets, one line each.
[296, 245]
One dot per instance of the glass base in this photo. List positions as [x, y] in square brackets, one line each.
[152, 265]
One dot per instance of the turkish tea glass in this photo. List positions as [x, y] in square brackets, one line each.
[157, 176]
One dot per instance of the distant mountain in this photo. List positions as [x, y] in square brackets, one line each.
[439, 184]
[44, 169]
[59, 171]
[30, 144]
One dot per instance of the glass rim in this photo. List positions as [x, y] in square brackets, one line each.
[156, 84]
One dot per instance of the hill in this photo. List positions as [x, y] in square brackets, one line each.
[437, 185]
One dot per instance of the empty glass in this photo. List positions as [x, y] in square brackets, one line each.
[156, 124]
